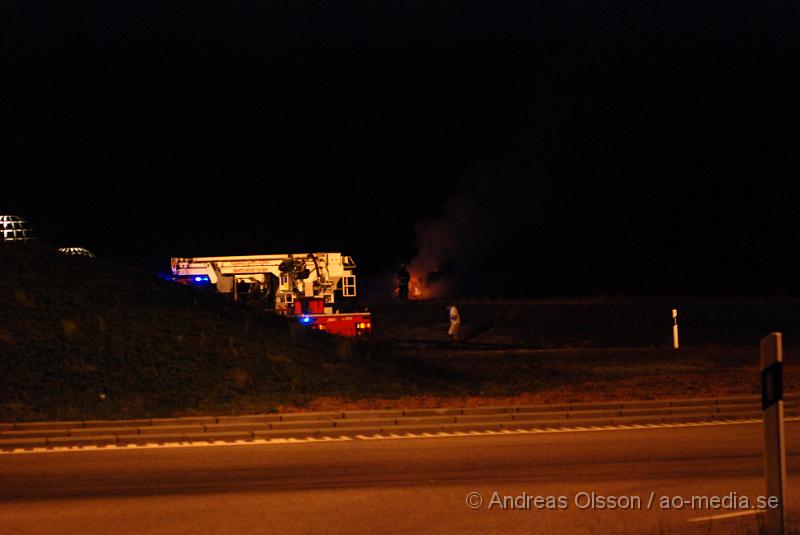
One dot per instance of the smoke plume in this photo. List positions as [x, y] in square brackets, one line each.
[488, 238]
[445, 248]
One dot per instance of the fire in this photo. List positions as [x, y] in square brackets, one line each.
[425, 286]
[416, 289]
[423, 283]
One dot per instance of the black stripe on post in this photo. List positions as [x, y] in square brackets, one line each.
[771, 385]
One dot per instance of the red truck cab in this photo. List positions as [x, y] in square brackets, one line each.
[310, 311]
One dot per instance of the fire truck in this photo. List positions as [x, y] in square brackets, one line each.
[302, 285]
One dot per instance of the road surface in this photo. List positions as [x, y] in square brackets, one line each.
[414, 485]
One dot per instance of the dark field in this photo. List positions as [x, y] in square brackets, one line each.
[595, 323]
[73, 329]
[589, 349]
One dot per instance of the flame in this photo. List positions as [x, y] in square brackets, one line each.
[421, 287]
[416, 289]
[423, 283]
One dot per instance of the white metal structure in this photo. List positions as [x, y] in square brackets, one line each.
[14, 228]
[281, 277]
[76, 251]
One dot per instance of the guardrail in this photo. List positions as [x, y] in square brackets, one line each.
[26, 435]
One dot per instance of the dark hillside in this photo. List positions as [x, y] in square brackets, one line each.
[75, 329]
[85, 338]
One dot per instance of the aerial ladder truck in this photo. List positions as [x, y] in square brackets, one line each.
[301, 285]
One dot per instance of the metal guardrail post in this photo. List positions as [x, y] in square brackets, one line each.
[774, 446]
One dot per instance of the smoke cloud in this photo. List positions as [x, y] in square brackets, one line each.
[487, 239]
[491, 237]
[446, 247]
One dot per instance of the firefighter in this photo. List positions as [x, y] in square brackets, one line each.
[403, 279]
[455, 322]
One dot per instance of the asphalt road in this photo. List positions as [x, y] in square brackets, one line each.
[415, 485]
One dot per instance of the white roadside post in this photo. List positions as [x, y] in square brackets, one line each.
[675, 328]
[774, 447]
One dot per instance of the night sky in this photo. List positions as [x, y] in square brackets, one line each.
[534, 148]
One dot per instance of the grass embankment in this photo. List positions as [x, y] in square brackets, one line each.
[73, 328]
[517, 352]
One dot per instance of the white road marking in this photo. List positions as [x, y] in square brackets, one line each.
[727, 515]
[389, 436]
